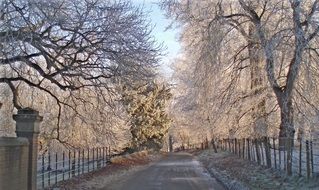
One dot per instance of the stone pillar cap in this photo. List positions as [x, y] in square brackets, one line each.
[27, 110]
[27, 114]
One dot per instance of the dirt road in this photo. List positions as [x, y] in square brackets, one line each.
[178, 171]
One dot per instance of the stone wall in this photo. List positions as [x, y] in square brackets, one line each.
[14, 153]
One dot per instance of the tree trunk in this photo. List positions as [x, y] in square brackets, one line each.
[256, 63]
[287, 131]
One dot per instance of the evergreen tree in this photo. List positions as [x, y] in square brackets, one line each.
[146, 107]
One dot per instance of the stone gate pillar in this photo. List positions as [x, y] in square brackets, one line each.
[27, 126]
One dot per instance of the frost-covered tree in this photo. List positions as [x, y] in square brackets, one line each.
[266, 59]
[73, 44]
[147, 109]
[71, 56]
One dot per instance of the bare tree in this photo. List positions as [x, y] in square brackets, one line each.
[301, 32]
[70, 45]
[217, 63]
[76, 52]
[273, 38]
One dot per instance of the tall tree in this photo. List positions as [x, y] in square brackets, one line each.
[72, 56]
[70, 45]
[147, 106]
[274, 37]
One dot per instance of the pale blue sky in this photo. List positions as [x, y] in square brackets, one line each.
[168, 38]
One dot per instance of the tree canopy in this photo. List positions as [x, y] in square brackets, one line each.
[68, 58]
[70, 45]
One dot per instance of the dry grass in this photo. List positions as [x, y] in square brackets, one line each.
[131, 159]
[252, 175]
[120, 167]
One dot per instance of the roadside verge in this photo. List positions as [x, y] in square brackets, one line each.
[238, 174]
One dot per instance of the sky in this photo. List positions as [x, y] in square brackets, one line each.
[167, 37]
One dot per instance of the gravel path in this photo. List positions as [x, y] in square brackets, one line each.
[178, 171]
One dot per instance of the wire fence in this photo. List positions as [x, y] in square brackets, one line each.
[295, 156]
[53, 168]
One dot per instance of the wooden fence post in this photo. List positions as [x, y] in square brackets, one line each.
[253, 150]
[289, 155]
[248, 150]
[257, 151]
[261, 145]
[235, 146]
[56, 168]
[49, 169]
[225, 144]
[99, 158]
[43, 171]
[70, 164]
[79, 162]
[88, 159]
[240, 147]
[275, 157]
[103, 157]
[82, 161]
[258, 154]
[93, 158]
[63, 165]
[231, 145]
[285, 155]
[300, 157]
[73, 164]
[106, 154]
[267, 152]
[311, 157]
[279, 154]
[308, 159]
[243, 150]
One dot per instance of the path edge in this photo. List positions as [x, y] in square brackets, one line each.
[225, 180]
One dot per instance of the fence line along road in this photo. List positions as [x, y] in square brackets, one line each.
[53, 168]
[303, 158]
